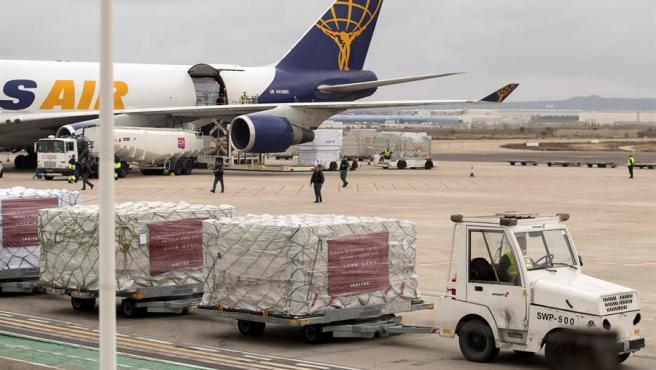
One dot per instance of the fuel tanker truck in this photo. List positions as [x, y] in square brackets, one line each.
[155, 151]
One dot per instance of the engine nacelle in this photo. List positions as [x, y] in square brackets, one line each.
[266, 134]
[74, 129]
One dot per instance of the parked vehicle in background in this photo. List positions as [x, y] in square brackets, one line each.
[153, 151]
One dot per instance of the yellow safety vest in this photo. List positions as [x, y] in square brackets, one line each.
[630, 162]
[512, 269]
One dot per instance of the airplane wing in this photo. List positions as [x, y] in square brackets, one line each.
[222, 111]
[37, 124]
[347, 88]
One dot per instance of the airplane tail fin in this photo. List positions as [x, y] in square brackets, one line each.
[339, 40]
[500, 95]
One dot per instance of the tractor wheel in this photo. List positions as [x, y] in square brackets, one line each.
[477, 341]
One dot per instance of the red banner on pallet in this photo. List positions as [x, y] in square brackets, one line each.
[358, 264]
[19, 220]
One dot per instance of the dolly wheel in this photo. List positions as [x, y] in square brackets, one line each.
[130, 310]
[250, 328]
[314, 334]
[81, 304]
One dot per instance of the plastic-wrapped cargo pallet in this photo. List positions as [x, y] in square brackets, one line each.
[326, 148]
[403, 144]
[19, 207]
[359, 143]
[304, 265]
[157, 244]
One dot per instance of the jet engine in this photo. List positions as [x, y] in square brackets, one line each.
[266, 134]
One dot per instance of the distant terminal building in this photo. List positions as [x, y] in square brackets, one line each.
[474, 117]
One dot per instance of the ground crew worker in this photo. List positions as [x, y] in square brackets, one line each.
[387, 154]
[244, 99]
[117, 166]
[72, 164]
[630, 163]
[509, 271]
[343, 171]
[317, 180]
[85, 171]
[218, 175]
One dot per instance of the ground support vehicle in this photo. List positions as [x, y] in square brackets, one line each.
[408, 163]
[601, 164]
[516, 282]
[154, 151]
[523, 162]
[642, 166]
[20, 280]
[360, 322]
[138, 301]
[564, 164]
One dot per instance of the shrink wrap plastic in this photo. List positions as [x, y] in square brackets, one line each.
[157, 244]
[304, 265]
[19, 206]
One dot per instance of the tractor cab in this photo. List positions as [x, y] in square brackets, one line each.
[516, 282]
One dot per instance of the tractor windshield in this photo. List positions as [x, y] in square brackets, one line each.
[50, 146]
[546, 249]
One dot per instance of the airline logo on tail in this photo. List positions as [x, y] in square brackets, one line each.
[345, 22]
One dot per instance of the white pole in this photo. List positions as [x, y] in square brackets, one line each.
[106, 254]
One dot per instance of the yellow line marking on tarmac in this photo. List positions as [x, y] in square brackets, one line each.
[150, 345]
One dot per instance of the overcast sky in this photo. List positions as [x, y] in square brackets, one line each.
[555, 49]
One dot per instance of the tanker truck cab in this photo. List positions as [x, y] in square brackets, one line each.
[53, 154]
[516, 283]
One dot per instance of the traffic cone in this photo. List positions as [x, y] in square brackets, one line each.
[471, 174]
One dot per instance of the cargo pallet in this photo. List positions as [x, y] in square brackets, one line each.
[523, 162]
[564, 164]
[601, 164]
[137, 301]
[360, 322]
[20, 280]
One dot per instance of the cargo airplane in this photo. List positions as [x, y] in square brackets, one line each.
[270, 108]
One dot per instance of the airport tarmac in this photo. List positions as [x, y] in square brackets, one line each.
[612, 223]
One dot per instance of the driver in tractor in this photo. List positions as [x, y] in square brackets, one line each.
[508, 264]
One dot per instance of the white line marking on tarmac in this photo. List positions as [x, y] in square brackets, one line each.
[258, 357]
[6, 315]
[31, 363]
[154, 340]
[37, 320]
[314, 366]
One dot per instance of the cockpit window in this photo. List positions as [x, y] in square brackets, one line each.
[545, 249]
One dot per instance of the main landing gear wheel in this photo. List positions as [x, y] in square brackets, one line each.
[477, 341]
[250, 328]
